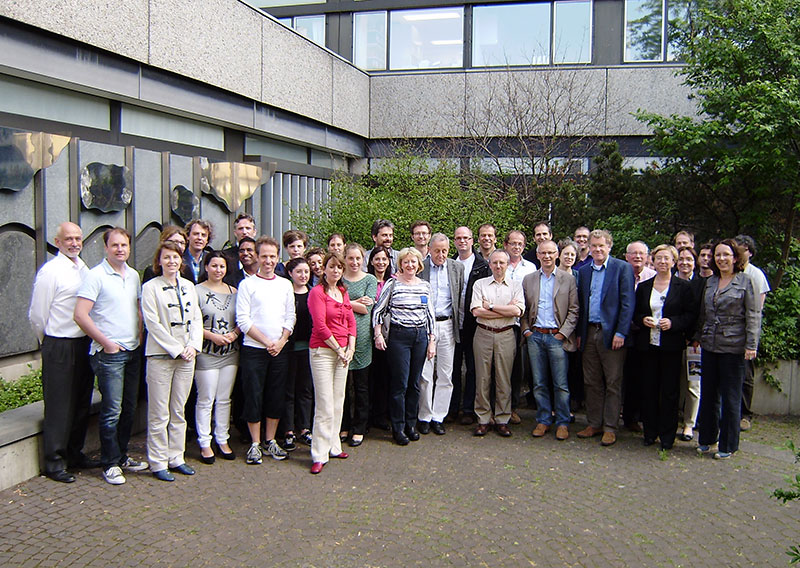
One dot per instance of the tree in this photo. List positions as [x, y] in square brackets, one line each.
[741, 154]
[406, 188]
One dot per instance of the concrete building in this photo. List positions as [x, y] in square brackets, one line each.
[147, 112]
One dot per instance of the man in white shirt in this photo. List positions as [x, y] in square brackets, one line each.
[761, 287]
[67, 377]
[518, 269]
[265, 314]
[108, 311]
[446, 277]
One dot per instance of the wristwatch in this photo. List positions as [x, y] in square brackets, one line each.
[491, 307]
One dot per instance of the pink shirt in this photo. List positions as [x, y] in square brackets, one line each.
[329, 317]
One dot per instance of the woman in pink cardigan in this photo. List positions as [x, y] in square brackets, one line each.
[331, 347]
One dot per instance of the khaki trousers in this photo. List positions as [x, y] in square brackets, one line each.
[168, 384]
[602, 379]
[499, 348]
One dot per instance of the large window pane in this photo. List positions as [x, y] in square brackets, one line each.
[515, 34]
[572, 41]
[313, 27]
[644, 30]
[369, 40]
[427, 39]
[678, 16]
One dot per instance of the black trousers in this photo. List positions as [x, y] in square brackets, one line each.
[356, 402]
[632, 386]
[67, 383]
[660, 372]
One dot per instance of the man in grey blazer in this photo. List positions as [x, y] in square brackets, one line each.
[548, 325]
[447, 280]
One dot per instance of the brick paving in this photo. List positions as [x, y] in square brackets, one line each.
[451, 500]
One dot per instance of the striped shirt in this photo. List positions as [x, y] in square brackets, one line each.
[406, 305]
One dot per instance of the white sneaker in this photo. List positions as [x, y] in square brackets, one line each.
[113, 475]
[276, 451]
[131, 464]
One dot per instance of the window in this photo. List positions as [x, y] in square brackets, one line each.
[678, 15]
[369, 40]
[313, 27]
[511, 34]
[426, 39]
[644, 38]
[572, 37]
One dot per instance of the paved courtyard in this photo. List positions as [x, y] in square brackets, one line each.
[443, 501]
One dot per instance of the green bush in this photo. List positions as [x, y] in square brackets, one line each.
[25, 390]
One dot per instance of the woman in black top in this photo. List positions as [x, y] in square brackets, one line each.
[299, 387]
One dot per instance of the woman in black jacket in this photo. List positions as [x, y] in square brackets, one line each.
[665, 311]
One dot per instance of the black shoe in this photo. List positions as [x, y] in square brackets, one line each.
[62, 476]
[423, 427]
[437, 428]
[412, 433]
[648, 441]
[353, 443]
[400, 438]
[207, 459]
[289, 443]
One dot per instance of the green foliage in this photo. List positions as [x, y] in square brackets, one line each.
[791, 494]
[405, 189]
[740, 159]
[25, 390]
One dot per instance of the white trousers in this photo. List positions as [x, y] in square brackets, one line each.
[434, 400]
[168, 384]
[214, 387]
[330, 379]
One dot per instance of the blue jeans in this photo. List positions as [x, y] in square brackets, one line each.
[723, 375]
[405, 355]
[549, 361]
[118, 380]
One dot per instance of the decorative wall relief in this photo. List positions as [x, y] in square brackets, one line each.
[22, 154]
[232, 183]
[184, 203]
[106, 187]
[17, 268]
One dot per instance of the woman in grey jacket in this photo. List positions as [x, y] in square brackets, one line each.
[175, 335]
[729, 328]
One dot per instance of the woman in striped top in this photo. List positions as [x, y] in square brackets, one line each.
[405, 305]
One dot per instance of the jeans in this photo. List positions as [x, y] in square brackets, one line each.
[549, 362]
[118, 381]
[723, 375]
[405, 355]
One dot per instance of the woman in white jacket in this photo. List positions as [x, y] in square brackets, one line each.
[175, 334]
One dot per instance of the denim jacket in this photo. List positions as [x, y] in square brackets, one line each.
[730, 320]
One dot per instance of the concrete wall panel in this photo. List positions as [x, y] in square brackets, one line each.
[56, 194]
[418, 105]
[119, 27]
[146, 188]
[214, 41]
[350, 98]
[297, 75]
[17, 268]
[654, 89]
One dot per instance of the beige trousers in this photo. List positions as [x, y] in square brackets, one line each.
[499, 348]
[168, 384]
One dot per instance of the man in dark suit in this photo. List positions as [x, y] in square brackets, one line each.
[245, 265]
[243, 226]
[606, 296]
[446, 277]
[548, 325]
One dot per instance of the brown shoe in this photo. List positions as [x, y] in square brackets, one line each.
[467, 419]
[608, 439]
[590, 432]
[503, 430]
[515, 419]
[562, 433]
[481, 429]
[540, 430]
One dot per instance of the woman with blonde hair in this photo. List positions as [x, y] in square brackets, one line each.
[405, 311]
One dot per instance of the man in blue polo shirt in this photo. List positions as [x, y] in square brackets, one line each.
[107, 310]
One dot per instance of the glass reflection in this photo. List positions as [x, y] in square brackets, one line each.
[426, 39]
[643, 30]
[515, 34]
[572, 42]
[369, 40]
[106, 187]
[312, 27]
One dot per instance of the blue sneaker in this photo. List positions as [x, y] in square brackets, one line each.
[722, 455]
[701, 449]
[183, 469]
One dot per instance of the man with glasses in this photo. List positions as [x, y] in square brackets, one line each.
[421, 236]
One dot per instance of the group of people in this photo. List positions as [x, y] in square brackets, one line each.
[334, 341]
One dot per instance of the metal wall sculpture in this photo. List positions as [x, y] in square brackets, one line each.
[184, 203]
[106, 187]
[22, 154]
[232, 183]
